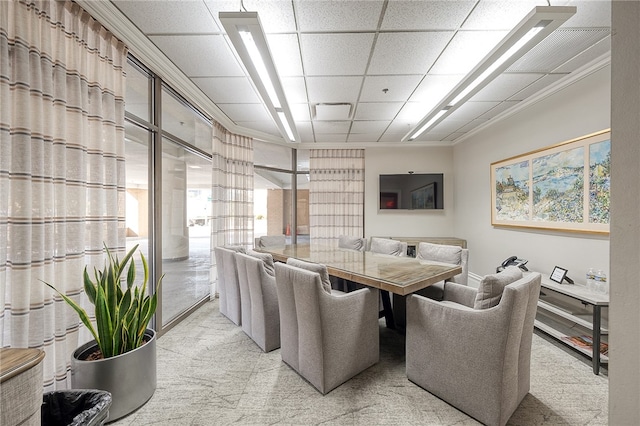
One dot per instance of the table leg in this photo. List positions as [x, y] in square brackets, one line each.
[400, 312]
[386, 309]
[596, 339]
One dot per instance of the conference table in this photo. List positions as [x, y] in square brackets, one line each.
[400, 276]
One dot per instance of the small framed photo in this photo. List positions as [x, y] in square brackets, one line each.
[558, 274]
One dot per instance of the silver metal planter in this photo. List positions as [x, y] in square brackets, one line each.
[130, 377]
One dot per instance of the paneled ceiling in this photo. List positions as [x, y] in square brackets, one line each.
[390, 61]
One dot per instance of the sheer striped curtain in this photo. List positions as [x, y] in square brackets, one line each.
[336, 194]
[62, 190]
[232, 163]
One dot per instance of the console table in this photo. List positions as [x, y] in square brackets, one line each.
[564, 321]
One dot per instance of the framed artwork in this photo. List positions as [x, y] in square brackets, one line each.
[424, 197]
[564, 187]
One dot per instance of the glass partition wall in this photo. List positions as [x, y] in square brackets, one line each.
[168, 192]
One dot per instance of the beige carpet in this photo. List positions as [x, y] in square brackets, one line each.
[211, 373]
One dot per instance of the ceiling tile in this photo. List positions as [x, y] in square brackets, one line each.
[433, 89]
[391, 137]
[471, 125]
[504, 86]
[591, 13]
[314, 15]
[412, 112]
[228, 90]
[500, 15]
[466, 50]
[300, 112]
[285, 51]
[200, 55]
[447, 126]
[333, 89]
[326, 127]
[371, 136]
[294, 89]
[169, 17]
[336, 54]
[432, 136]
[240, 112]
[399, 88]
[305, 131]
[557, 48]
[425, 15]
[377, 111]
[537, 86]
[275, 16]
[331, 137]
[470, 110]
[266, 126]
[376, 127]
[601, 48]
[424, 48]
[453, 136]
[498, 109]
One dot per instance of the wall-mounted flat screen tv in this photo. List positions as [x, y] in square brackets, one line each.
[412, 191]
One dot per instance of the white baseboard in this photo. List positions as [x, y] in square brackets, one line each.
[474, 280]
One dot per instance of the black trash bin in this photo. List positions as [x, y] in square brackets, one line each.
[76, 407]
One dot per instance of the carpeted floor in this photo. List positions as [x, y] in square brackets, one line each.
[211, 373]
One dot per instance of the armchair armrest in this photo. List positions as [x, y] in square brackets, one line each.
[459, 293]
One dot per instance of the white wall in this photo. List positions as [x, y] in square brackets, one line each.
[577, 110]
[405, 223]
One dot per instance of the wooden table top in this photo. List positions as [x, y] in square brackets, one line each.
[399, 275]
[14, 361]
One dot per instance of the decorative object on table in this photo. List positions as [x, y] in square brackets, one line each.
[122, 358]
[559, 275]
[563, 187]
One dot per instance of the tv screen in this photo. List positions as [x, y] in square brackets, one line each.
[416, 191]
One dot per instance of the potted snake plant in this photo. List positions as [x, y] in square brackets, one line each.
[122, 357]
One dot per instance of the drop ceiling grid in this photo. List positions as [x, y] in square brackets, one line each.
[351, 51]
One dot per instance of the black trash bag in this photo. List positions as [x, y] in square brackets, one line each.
[86, 407]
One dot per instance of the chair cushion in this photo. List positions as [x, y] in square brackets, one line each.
[313, 267]
[491, 287]
[386, 246]
[440, 253]
[352, 243]
[267, 260]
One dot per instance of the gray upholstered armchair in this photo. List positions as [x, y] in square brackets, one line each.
[473, 349]
[270, 241]
[260, 316]
[228, 285]
[352, 243]
[327, 338]
[448, 254]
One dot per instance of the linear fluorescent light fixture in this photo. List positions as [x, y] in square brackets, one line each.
[534, 28]
[248, 40]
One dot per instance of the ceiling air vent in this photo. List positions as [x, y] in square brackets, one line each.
[332, 112]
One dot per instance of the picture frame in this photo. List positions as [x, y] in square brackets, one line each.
[424, 197]
[558, 274]
[565, 187]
